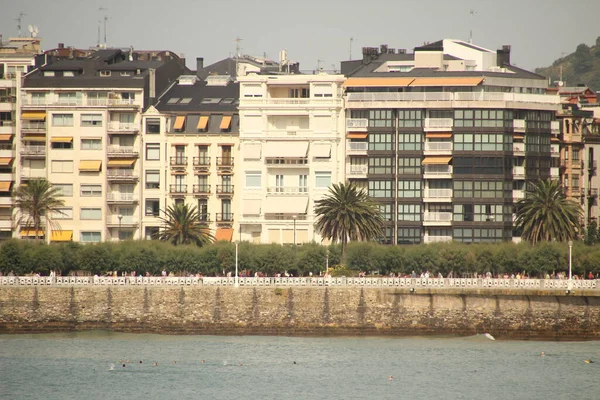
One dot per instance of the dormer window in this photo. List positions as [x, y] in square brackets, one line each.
[104, 73]
[48, 73]
[68, 73]
[126, 73]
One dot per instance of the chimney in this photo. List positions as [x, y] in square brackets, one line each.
[369, 54]
[199, 63]
[503, 56]
[61, 45]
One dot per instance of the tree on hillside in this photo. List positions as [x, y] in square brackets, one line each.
[347, 213]
[182, 225]
[545, 214]
[36, 202]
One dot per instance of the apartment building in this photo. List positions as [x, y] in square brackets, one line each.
[16, 58]
[190, 152]
[291, 151]
[446, 138]
[79, 127]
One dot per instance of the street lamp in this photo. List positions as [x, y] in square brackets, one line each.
[236, 279]
[570, 263]
[294, 230]
[120, 219]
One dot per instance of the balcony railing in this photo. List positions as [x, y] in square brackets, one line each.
[202, 162]
[124, 221]
[437, 169]
[593, 192]
[437, 217]
[122, 102]
[437, 193]
[33, 173]
[438, 146]
[518, 194]
[437, 239]
[355, 171]
[519, 172]
[178, 189]
[555, 127]
[287, 190]
[225, 190]
[519, 148]
[121, 197]
[204, 217]
[449, 96]
[128, 151]
[438, 124]
[592, 165]
[519, 125]
[358, 147]
[33, 127]
[576, 164]
[201, 189]
[121, 174]
[224, 217]
[122, 127]
[178, 161]
[33, 150]
[357, 124]
[225, 162]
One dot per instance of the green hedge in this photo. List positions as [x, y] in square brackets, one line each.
[23, 257]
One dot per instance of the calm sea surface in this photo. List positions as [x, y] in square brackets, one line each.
[86, 366]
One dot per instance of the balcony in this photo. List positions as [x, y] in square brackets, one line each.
[518, 172]
[122, 127]
[357, 171]
[437, 219]
[224, 163]
[126, 221]
[224, 218]
[555, 127]
[33, 127]
[122, 103]
[7, 150]
[592, 192]
[592, 165]
[122, 151]
[519, 149]
[121, 198]
[358, 99]
[437, 148]
[6, 201]
[438, 124]
[301, 162]
[357, 148]
[224, 190]
[204, 217]
[554, 173]
[6, 222]
[29, 173]
[288, 190]
[121, 175]
[576, 164]
[554, 150]
[437, 195]
[201, 190]
[178, 161]
[357, 124]
[33, 151]
[519, 125]
[518, 194]
[178, 190]
[290, 102]
[436, 239]
[201, 163]
[437, 171]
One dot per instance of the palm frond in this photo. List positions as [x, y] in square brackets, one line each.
[182, 225]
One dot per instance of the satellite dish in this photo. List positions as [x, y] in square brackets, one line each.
[34, 31]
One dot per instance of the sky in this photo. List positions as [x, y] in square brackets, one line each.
[316, 33]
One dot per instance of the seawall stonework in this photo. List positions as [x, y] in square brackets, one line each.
[301, 311]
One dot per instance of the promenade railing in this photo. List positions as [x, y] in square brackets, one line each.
[408, 283]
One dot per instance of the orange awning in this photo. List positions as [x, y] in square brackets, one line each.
[122, 162]
[377, 82]
[5, 138]
[554, 139]
[61, 236]
[202, 122]
[438, 135]
[179, 121]
[447, 81]
[224, 234]
[34, 115]
[518, 137]
[225, 122]
[357, 135]
[31, 233]
[90, 165]
[436, 160]
[5, 161]
[5, 186]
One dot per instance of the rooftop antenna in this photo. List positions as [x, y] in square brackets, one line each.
[98, 41]
[351, 41]
[238, 40]
[319, 64]
[19, 20]
[472, 13]
[105, 20]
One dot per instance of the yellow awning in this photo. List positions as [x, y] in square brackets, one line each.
[179, 121]
[5, 161]
[31, 232]
[377, 82]
[515, 136]
[90, 165]
[5, 138]
[124, 162]
[554, 139]
[357, 135]
[34, 115]
[61, 236]
[34, 138]
[224, 234]
[447, 81]
[225, 122]
[62, 139]
[436, 160]
[202, 122]
[5, 186]
[438, 135]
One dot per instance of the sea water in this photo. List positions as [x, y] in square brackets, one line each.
[89, 365]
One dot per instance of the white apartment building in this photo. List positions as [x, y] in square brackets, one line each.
[291, 151]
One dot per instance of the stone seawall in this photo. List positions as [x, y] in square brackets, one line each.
[302, 311]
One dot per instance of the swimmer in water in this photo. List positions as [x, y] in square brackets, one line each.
[155, 364]
[140, 361]
[390, 378]
[202, 361]
[543, 354]
[588, 361]
[123, 365]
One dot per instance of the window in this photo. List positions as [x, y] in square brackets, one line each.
[152, 151]
[91, 144]
[48, 73]
[409, 189]
[91, 119]
[409, 212]
[408, 166]
[482, 189]
[303, 183]
[575, 181]
[90, 213]
[97, 98]
[253, 179]
[410, 142]
[69, 98]
[90, 237]
[381, 165]
[410, 118]
[104, 73]
[409, 235]
[62, 145]
[381, 118]
[575, 153]
[68, 73]
[64, 189]
[482, 212]
[62, 119]
[478, 235]
[62, 167]
[152, 207]
[125, 73]
[322, 179]
[381, 141]
[483, 118]
[65, 213]
[386, 211]
[152, 179]
[152, 126]
[91, 190]
[151, 232]
[480, 165]
[380, 189]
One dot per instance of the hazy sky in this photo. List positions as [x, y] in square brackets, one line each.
[538, 30]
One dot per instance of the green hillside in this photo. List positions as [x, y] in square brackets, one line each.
[581, 66]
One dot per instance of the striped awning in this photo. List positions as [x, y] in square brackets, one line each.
[6, 138]
[357, 135]
[5, 186]
[62, 139]
[377, 82]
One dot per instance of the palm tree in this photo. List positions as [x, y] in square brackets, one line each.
[546, 214]
[347, 213]
[37, 201]
[182, 225]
